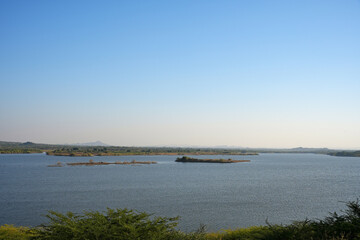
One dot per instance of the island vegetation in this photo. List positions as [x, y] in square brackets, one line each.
[128, 224]
[58, 164]
[92, 163]
[346, 154]
[186, 159]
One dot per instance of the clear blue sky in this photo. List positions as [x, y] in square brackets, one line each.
[206, 73]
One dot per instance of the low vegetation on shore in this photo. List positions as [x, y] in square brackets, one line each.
[92, 163]
[128, 224]
[185, 159]
[124, 151]
[346, 154]
[89, 151]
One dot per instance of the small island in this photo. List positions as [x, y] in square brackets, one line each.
[58, 164]
[92, 163]
[185, 159]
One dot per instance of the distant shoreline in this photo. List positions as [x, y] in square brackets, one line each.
[84, 154]
[145, 154]
[92, 151]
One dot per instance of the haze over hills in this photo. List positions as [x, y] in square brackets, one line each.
[99, 148]
[91, 144]
[29, 144]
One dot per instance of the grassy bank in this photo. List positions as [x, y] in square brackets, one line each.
[128, 224]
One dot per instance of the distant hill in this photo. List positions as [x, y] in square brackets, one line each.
[92, 144]
[99, 148]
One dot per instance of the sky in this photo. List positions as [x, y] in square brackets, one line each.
[273, 74]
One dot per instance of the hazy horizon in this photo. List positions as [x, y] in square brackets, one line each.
[257, 74]
[101, 143]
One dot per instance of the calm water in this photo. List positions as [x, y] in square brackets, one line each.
[278, 187]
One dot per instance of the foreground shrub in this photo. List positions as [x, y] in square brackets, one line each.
[130, 225]
[10, 232]
[113, 224]
[334, 227]
[250, 233]
[121, 224]
[346, 225]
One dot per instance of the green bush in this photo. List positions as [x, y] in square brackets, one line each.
[112, 224]
[334, 227]
[130, 225]
[344, 226]
[10, 232]
[250, 233]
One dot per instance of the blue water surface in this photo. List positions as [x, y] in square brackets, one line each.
[278, 187]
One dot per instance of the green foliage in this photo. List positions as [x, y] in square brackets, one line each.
[10, 232]
[250, 233]
[127, 224]
[345, 226]
[333, 227]
[112, 224]
[83, 151]
[297, 230]
[346, 154]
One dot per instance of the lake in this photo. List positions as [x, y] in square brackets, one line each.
[278, 187]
